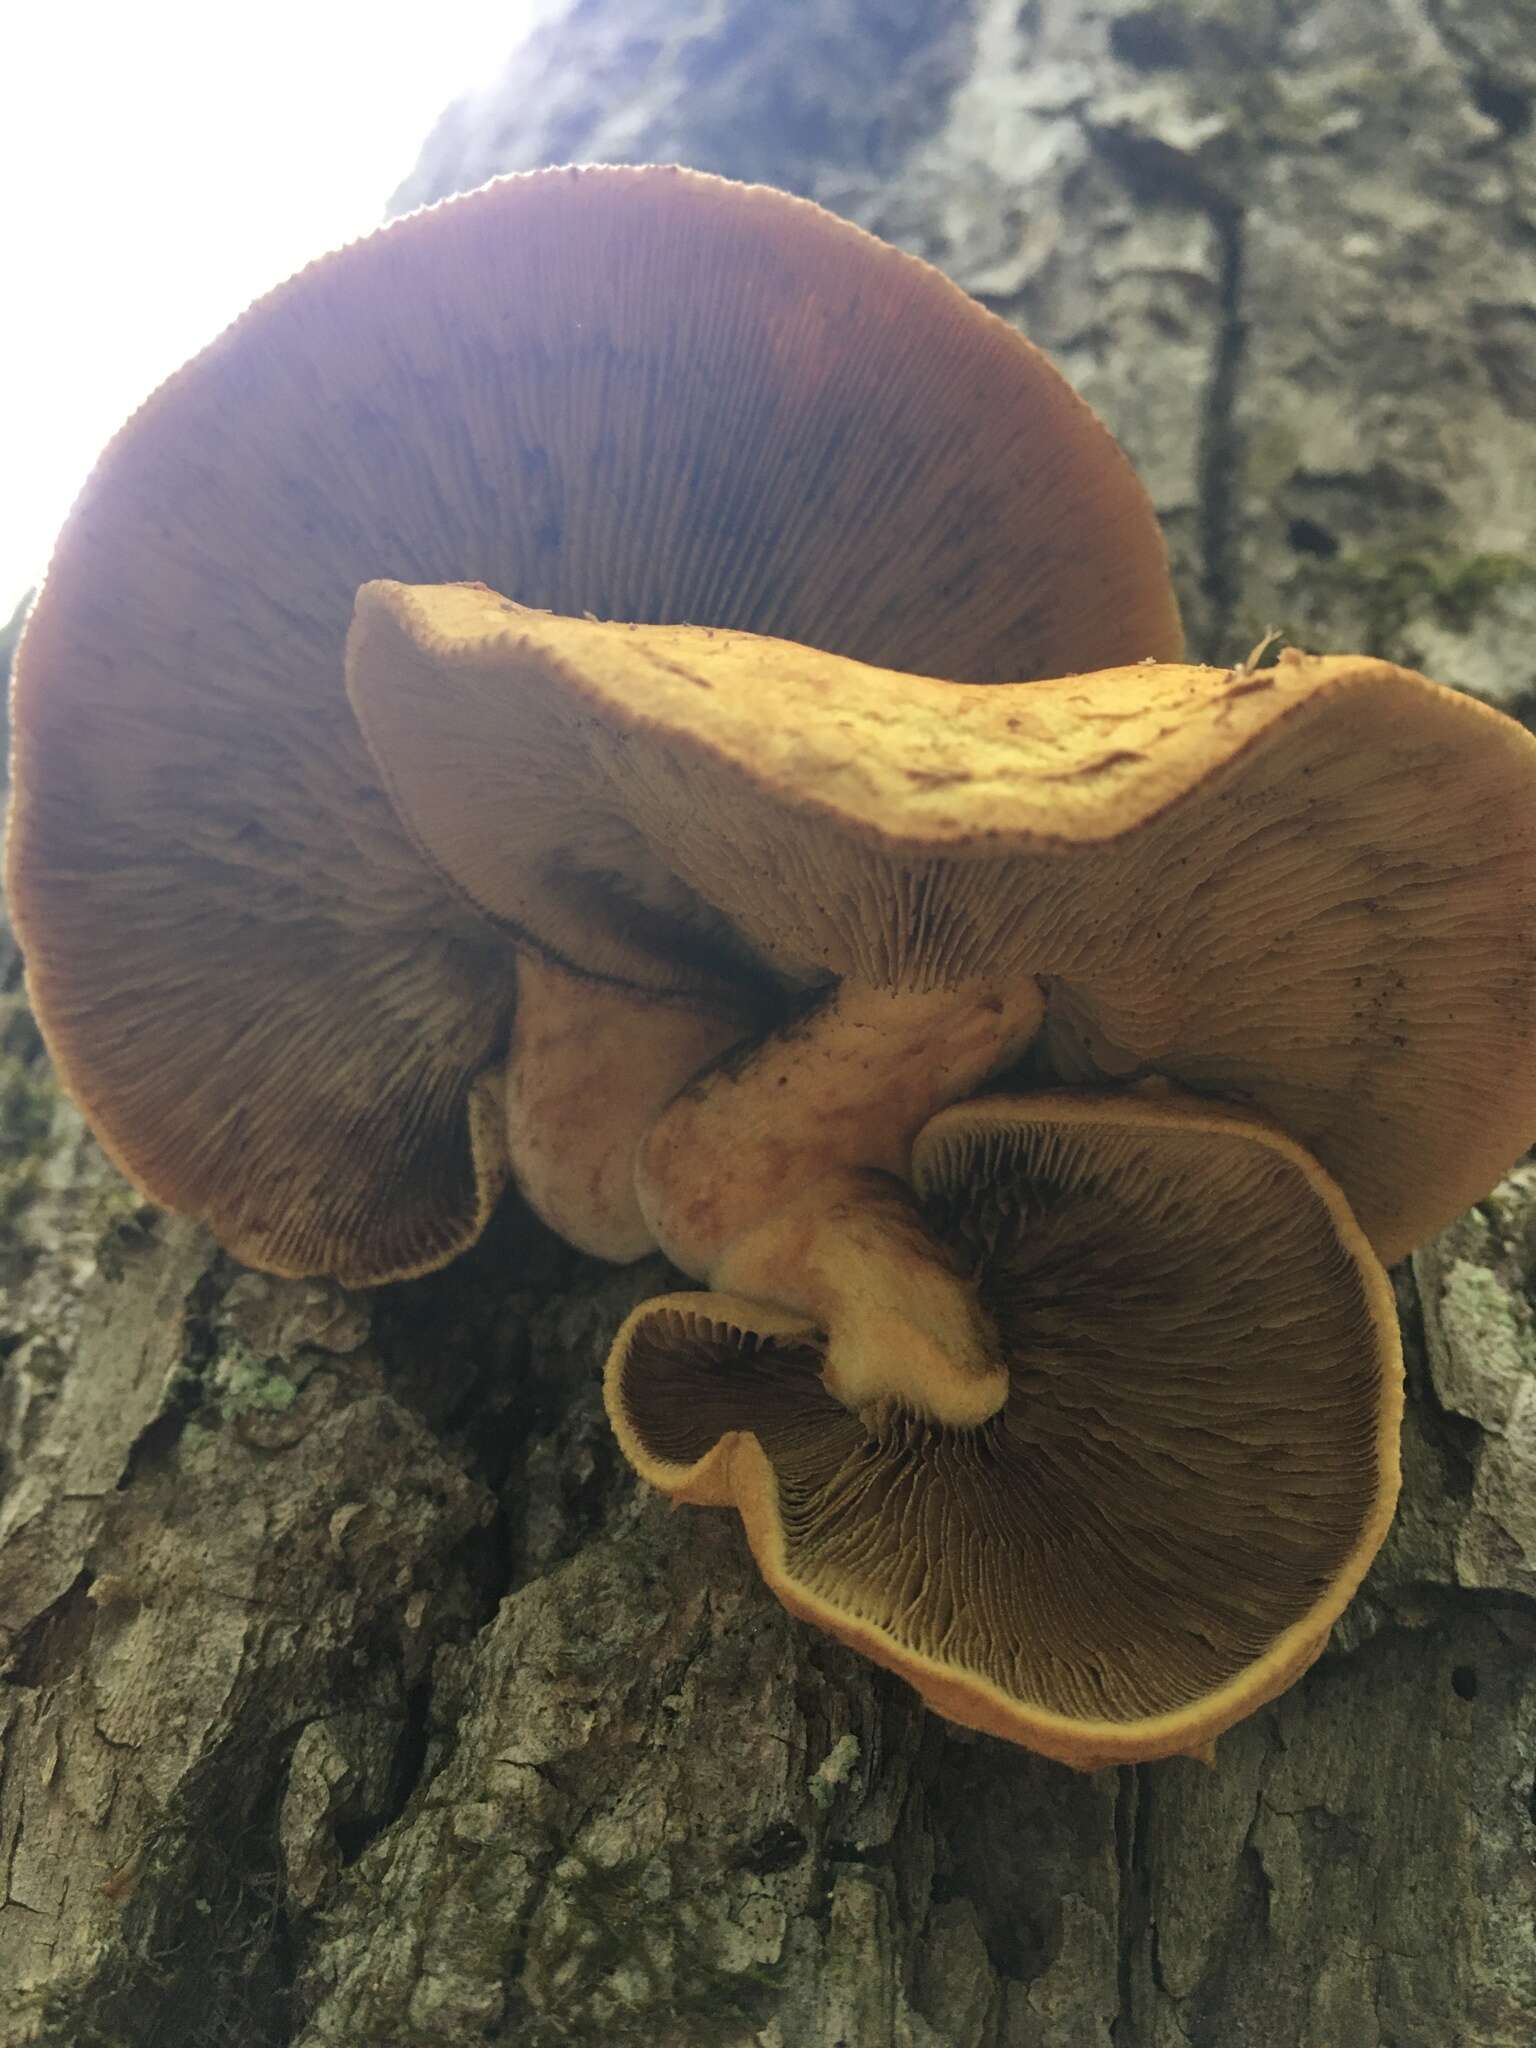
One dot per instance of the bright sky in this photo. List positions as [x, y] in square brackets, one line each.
[161, 163]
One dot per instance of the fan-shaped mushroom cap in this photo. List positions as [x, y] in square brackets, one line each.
[643, 393]
[1311, 889]
[1196, 1463]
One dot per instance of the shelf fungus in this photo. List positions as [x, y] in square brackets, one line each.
[622, 681]
[1195, 1462]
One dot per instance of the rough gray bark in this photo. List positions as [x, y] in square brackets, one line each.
[358, 1696]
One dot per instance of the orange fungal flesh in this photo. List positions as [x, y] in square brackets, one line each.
[1195, 1464]
[1311, 890]
[774, 1175]
[900, 1320]
[846, 1083]
[589, 1070]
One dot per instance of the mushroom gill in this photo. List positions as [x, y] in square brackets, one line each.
[1195, 1463]
[641, 393]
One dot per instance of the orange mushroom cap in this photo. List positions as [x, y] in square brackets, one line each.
[643, 393]
[1194, 1467]
[1310, 889]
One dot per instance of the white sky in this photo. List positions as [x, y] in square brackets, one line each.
[162, 163]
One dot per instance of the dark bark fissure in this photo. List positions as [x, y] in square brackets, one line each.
[206, 1957]
[1221, 449]
[1455, 1438]
[1155, 172]
[1134, 1916]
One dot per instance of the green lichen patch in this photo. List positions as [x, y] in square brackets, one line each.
[834, 1770]
[237, 1382]
[245, 1383]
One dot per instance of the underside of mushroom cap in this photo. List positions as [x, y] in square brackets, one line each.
[1196, 1463]
[1311, 889]
[636, 392]
[275, 1018]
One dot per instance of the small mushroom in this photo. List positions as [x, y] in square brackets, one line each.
[644, 394]
[1195, 1462]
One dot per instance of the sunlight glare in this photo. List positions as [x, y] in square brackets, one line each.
[162, 165]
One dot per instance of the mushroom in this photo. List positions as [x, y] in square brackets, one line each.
[1224, 882]
[1195, 1462]
[643, 394]
[535, 697]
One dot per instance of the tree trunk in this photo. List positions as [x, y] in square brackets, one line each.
[359, 1696]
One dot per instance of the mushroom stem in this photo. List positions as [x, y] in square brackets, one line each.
[589, 1069]
[779, 1173]
[902, 1322]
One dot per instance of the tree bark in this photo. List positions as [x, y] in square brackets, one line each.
[356, 1692]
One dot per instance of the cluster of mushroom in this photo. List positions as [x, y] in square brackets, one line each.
[483, 719]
